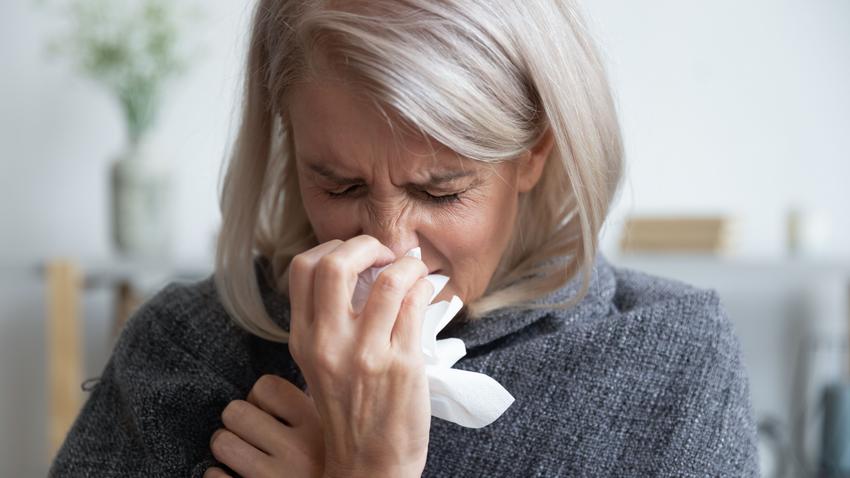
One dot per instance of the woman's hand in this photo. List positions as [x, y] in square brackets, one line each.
[276, 429]
[365, 371]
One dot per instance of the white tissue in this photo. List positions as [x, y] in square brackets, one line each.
[470, 399]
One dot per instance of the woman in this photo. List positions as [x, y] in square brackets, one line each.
[485, 134]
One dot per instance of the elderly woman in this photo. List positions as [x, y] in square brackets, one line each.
[483, 133]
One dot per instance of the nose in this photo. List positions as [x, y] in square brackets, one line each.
[394, 230]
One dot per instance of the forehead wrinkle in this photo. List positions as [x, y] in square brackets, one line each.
[323, 159]
[386, 214]
[415, 132]
[432, 152]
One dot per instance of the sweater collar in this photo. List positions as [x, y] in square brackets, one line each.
[496, 324]
[503, 322]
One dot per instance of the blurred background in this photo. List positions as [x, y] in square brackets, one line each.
[115, 117]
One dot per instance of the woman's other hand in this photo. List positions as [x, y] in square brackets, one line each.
[364, 371]
[276, 429]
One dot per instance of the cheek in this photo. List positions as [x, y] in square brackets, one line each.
[330, 219]
[472, 240]
[474, 237]
[467, 231]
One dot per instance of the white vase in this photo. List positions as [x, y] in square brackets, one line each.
[141, 204]
[809, 233]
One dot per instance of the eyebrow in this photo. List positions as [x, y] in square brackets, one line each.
[435, 179]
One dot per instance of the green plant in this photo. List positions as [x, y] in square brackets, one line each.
[132, 47]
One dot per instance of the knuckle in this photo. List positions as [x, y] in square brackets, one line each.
[300, 265]
[417, 298]
[325, 362]
[391, 281]
[369, 363]
[331, 266]
[408, 303]
[372, 239]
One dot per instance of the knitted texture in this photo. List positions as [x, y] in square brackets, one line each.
[642, 378]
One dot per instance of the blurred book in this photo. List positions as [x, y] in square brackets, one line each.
[697, 234]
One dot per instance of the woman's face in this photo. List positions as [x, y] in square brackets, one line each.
[355, 179]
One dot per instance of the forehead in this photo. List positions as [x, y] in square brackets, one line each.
[332, 123]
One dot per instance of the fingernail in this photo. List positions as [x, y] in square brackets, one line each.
[415, 252]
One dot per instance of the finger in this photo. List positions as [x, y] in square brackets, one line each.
[281, 398]
[407, 332]
[336, 277]
[301, 272]
[215, 472]
[241, 457]
[255, 426]
[384, 302]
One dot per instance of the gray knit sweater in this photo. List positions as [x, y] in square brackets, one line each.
[642, 378]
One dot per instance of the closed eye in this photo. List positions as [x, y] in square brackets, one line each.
[445, 199]
[340, 194]
[448, 198]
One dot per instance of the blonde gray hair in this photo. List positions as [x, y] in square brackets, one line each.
[486, 79]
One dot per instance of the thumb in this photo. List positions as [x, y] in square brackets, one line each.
[407, 330]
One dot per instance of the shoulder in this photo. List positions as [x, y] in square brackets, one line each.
[177, 363]
[669, 359]
[664, 322]
[182, 318]
[182, 309]
[669, 304]
[636, 289]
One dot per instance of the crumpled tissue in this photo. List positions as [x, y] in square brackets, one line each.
[469, 399]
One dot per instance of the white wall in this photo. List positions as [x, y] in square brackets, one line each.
[733, 107]
[58, 133]
[727, 106]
